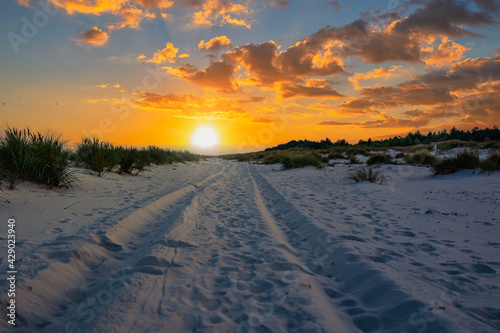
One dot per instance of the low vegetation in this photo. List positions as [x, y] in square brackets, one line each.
[379, 159]
[294, 160]
[102, 157]
[29, 156]
[492, 163]
[421, 157]
[45, 159]
[464, 159]
[365, 174]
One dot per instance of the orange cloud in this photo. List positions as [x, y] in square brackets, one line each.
[129, 17]
[377, 73]
[128, 13]
[155, 4]
[167, 54]
[447, 53]
[290, 90]
[215, 44]
[218, 76]
[383, 121]
[216, 12]
[267, 66]
[192, 106]
[285, 70]
[25, 3]
[262, 120]
[94, 36]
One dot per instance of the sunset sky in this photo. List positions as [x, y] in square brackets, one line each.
[140, 72]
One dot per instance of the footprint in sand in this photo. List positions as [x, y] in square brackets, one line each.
[483, 269]
[211, 304]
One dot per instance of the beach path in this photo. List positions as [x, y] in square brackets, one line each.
[247, 248]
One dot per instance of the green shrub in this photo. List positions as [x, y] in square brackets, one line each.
[421, 157]
[465, 159]
[42, 159]
[365, 173]
[379, 159]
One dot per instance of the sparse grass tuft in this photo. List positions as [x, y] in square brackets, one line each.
[465, 159]
[365, 174]
[421, 157]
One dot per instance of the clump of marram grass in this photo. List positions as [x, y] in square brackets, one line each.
[294, 160]
[465, 159]
[492, 163]
[365, 174]
[96, 155]
[357, 151]
[103, 157]
[379, 159]
[273, 158]
[353, 159]
[300, 160]
[421, 157]
[30, 156]
[336, 155]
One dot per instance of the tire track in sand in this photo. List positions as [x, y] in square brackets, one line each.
[87, 271]
[371, 299]
[232, 272]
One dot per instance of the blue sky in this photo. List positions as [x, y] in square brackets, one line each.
[134, 71]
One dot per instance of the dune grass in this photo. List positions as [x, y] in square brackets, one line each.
[379, 158]
[421, 157]
[30, 156]
[365, 174]
[294, 160]
[102, 157]
[464, 159]
[301, 160]
[492, 163]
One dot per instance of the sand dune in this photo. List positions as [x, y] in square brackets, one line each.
[229, 247]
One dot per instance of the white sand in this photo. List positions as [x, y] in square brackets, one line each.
[230, 247]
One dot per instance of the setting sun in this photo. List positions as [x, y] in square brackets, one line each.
[205, 137]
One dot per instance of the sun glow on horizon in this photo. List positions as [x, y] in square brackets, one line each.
[205, 137]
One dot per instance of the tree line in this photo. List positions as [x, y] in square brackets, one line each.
[476, 134]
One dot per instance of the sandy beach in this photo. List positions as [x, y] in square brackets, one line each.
[221, 246]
